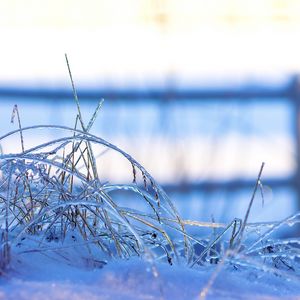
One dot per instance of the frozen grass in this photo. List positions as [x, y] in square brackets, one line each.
[52, 200]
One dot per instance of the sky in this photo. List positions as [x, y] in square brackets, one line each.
[138, 42]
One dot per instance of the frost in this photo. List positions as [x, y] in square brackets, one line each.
[54, 203]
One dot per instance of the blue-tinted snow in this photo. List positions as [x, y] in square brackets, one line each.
[38, 277]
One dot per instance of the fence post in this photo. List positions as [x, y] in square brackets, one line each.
[295, 97]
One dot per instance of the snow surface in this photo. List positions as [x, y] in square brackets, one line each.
[37, 276]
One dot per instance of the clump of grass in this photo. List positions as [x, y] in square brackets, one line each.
[53, 187]
[53, 192]
[52, 199]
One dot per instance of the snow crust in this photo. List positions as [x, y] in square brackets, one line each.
[37, 276]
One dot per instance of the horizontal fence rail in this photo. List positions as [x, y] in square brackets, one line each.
[153, 94]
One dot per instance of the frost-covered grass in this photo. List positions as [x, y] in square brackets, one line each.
[54, 204]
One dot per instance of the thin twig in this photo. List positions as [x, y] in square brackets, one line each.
[250, 206]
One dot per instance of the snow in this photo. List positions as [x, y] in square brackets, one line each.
[37, 276]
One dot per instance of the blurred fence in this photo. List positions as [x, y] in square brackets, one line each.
[289, 92]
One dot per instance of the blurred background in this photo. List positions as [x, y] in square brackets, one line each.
[199, 92]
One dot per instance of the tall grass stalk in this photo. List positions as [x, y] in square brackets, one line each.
[53, 199]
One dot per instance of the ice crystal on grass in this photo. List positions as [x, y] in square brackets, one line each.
[53, 200]
[53, 188]
[51, 197]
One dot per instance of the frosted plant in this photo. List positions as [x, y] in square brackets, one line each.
[53, 200]
[53, 192]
